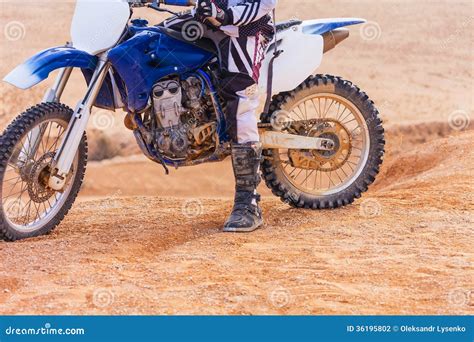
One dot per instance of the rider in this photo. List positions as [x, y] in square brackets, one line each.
[247, 26]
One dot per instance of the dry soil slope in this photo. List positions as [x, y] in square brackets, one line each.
[405, 248]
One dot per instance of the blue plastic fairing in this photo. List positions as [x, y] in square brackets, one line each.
[149, 56]
[38, 67]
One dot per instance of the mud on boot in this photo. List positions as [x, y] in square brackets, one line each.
[246, 215]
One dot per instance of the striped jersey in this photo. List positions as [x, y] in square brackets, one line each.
[247, 17]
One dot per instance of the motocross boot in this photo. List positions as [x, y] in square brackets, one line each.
[246, 215]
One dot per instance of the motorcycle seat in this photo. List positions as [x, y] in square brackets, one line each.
[285, 25]
[203, 43]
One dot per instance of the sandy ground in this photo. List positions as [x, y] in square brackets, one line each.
[405, 248]
[137, 242]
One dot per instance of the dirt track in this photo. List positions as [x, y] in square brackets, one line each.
[405, 248]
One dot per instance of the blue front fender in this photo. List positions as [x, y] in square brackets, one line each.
[38, 67]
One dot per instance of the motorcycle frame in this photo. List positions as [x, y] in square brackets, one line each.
[323, 35]
[77, 127]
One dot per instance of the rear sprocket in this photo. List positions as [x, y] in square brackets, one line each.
[325, 160]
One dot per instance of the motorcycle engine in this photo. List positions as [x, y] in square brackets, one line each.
[167, 106]
[185, 127]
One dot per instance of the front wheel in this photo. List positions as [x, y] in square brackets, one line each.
[28, 206]
[331, 108]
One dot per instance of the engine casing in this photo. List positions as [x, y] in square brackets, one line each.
[167, 103]
[183, 129]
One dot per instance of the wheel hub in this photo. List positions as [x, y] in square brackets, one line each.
[328, 154]
[38, 188]
[325, 160]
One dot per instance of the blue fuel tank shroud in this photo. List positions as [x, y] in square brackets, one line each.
[149, 56]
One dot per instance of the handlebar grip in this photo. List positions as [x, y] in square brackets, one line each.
[179, 2]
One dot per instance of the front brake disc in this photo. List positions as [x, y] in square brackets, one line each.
[38, 188]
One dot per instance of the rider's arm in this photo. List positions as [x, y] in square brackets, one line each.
[249, 11]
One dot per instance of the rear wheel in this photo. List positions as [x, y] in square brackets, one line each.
[28, 206]
[332, 108]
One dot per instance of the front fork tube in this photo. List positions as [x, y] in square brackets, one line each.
[56, 91]
[76, 128]
[34, 137]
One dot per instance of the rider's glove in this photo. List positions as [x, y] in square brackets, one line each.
[137, 3]
[208, 10]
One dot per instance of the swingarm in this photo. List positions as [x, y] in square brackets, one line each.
[280, 140]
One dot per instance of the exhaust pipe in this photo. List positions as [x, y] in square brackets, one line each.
[334, 37]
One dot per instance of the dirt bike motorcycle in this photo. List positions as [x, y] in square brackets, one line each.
[322, 136]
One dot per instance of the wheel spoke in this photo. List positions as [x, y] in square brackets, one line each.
[340, 179]
[299, 117]
[13, 187]
[8, 180]
[307, 176]
[54, 146]
[27, 218]
[315, 109]
[327, 112]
